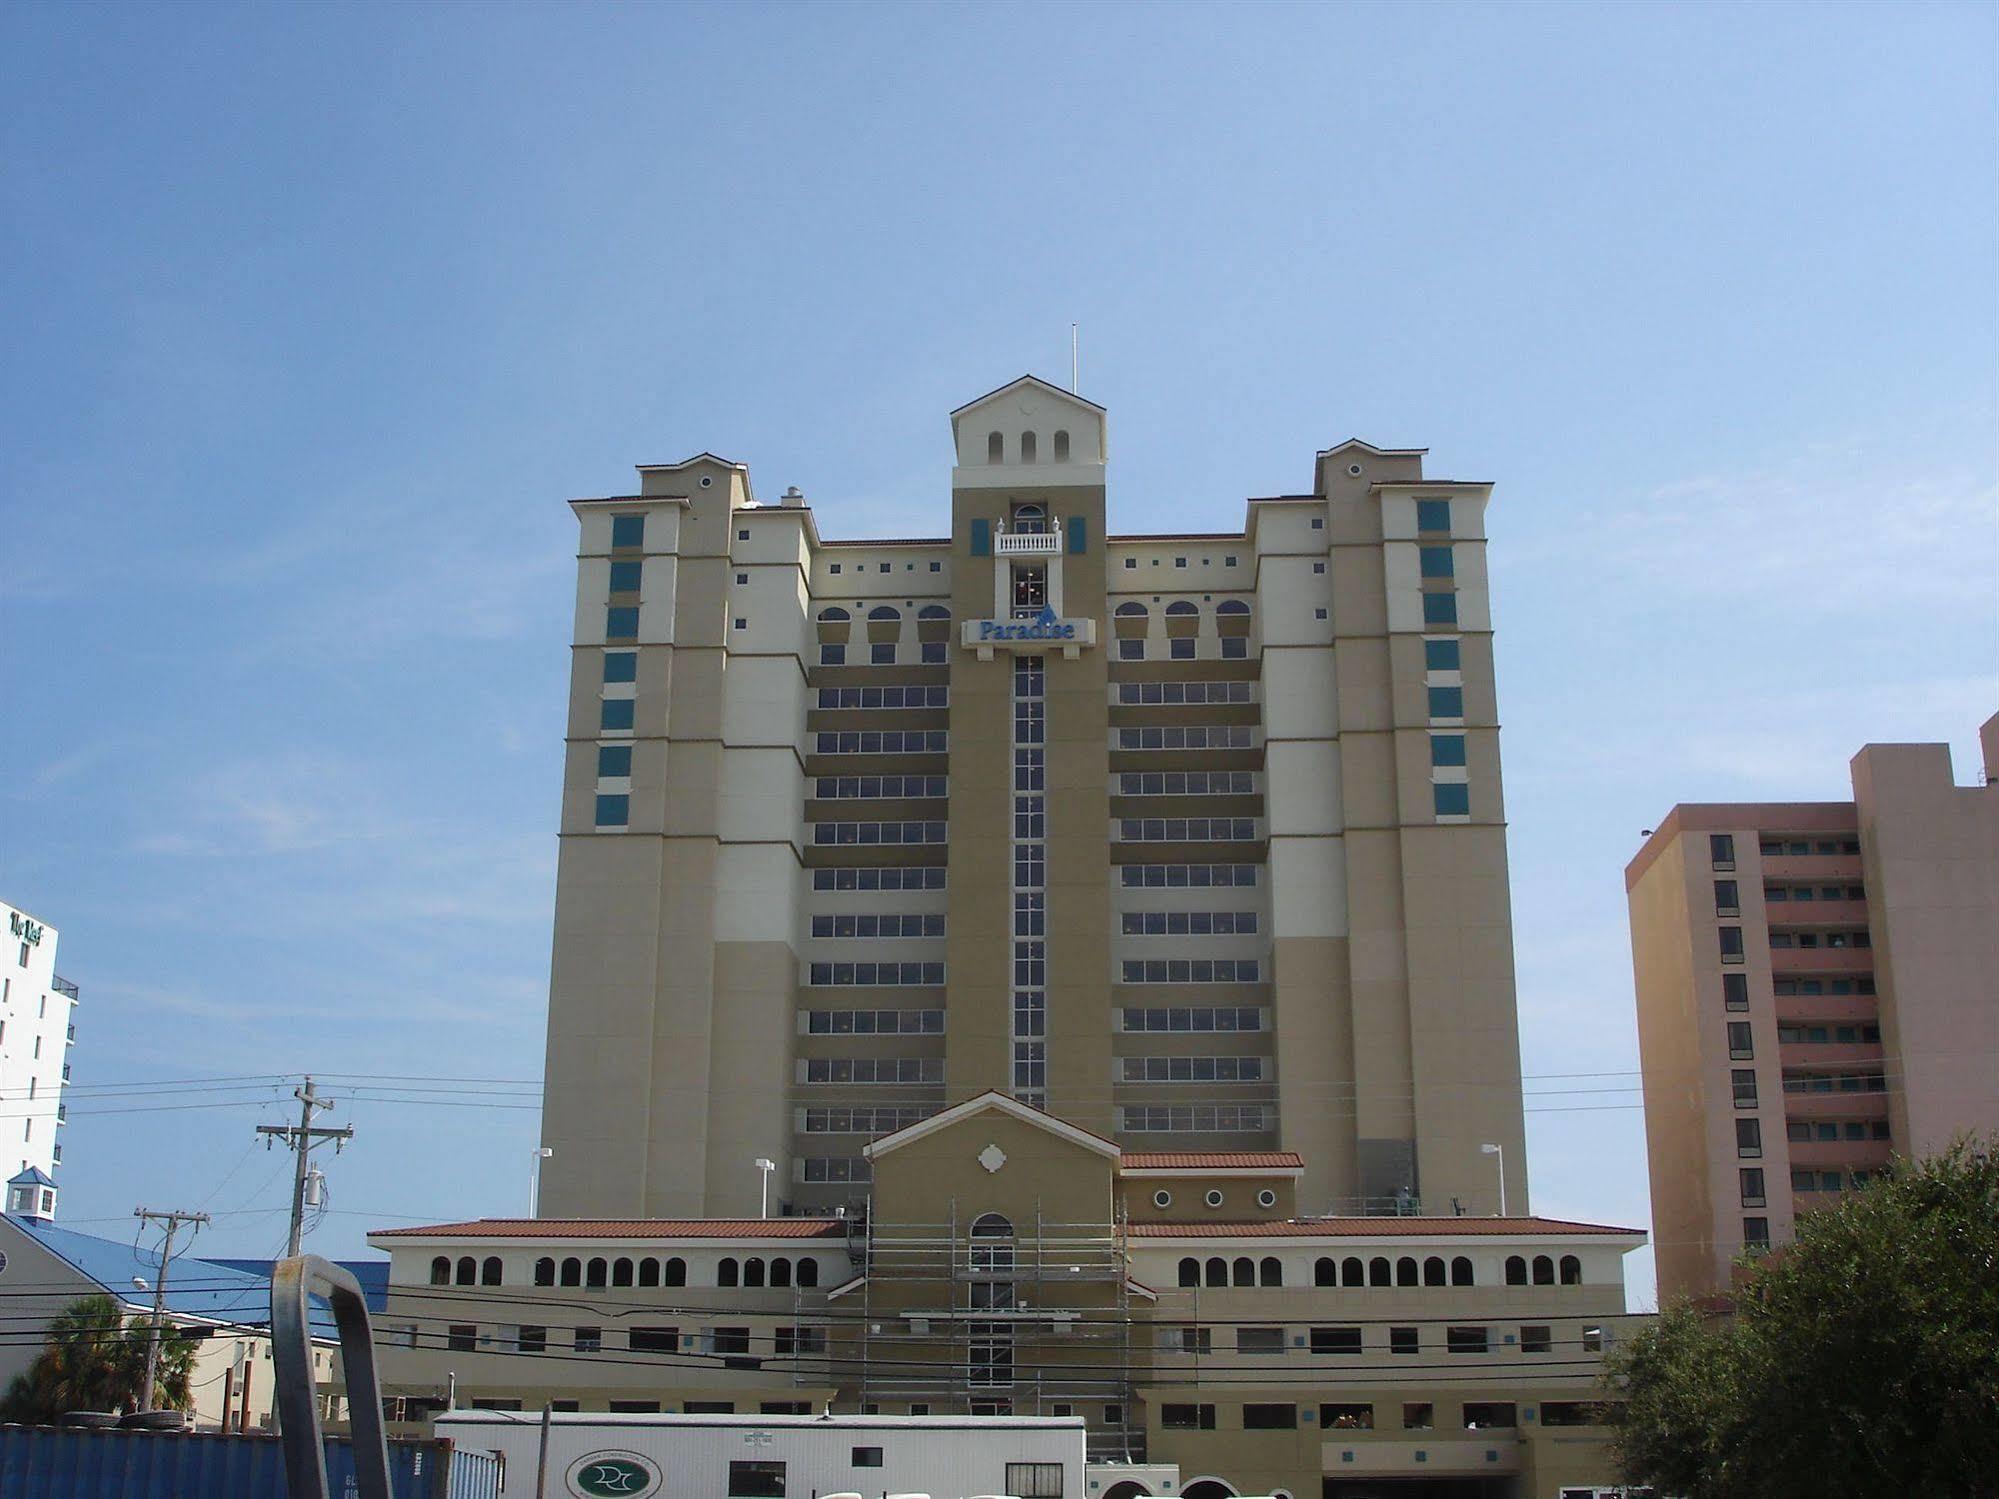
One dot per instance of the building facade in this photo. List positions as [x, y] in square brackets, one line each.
[1196, 841]
[37, 1028]
[1214, 1340]
[1816, 994]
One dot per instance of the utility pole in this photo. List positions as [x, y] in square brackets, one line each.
[301, 1139]
[173, 1221]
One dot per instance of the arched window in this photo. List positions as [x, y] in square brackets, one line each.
[1183, 606]
[544, 1271]
[995, 448]
[933, 611]
[468, 1271]
[440, 1271]
[1030, 520]
[727, 1272]
[1216, 1272]
[1572, 1270]
[489, 1271]
[753, 1271]
[1027, 447]
[1433, 1270]
[882, 611]
[1461, 1271]
[1231, 606]
[808, 1273]
[833, 616]
[1132, 610]
[992, 1243]
[780, 1272]
[1244, 1271]
[1405, 1271]
[1352, 1272]
[621, 1271]
[1325, 1272]
[572, 1271]
[596, 1273]
[1061, 447]
[648, 1271]
[1270, 1271]
[676, 1272]
[1190, 1271]
[1516, 1270]
[1544, 1270]
[1377, 1271]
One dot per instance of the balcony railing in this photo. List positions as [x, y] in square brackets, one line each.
[63, 987]
[1027, 544]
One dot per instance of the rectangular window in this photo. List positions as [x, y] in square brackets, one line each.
[617, 713]
[1447, 749]
[534, 1340]
[633, 1407]
[1346, 1418]
[1403, 1340]
[1329, 1340]
[1749, 1139]
[1482, 1415]
[1441, 655]
[1756, 1233]
[1435, 562]
[1187, 1417]
[1726, 901]
[881, 655]
[621, 622]
[625, 576]
[1536, 1339]
[1034, 1480]
[1739, 1045]
[867, 1457]
[1743, 1081]
[832, 655]
[1418, 1415]
[1318, 614]
[589, 1339]
[462, 1339]
[628, 530]
[1235, 648]
[1721, 850]
[614, 759]
[1440, 608]
[1447, 702]
[1731, 944]
[710, 1407]
[1259, 1340]
[1270, 1418]
[621, 666]
[1451, 799]
[1181, 649]
[1433, 515]
[1735, 991]
[1752, 1186]
[756, 1479]
[655, 1339]
[1131, 650]
[614, 811]
[1466, 1340]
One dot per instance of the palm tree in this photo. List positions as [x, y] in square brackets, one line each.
[94, 1359]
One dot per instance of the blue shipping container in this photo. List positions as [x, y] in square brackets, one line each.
[48, 1462]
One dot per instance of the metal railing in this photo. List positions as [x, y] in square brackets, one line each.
[294, 1282]
[63, 986]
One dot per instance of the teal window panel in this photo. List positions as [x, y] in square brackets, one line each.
[621, 623]
[625, 576]
[1440, 608]
[614, 811]
[621, 666]
[1433, 515]
[1447, 749]
[1436, 562]
[982, 538]
[614, 759]
[1452, 799]
[1447, 702]
[1078, 536]
[617, 713]
[1442, 655]
[628, 530]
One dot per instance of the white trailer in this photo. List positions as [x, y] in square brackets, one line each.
[776, 1457]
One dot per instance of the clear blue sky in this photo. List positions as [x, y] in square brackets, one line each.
[315, 315]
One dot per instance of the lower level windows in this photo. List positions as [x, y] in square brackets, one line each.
[872, 1070]
[1189, 971]
[1193, 1069]
[1197, 1118]
[876, 975]
[1270, 1417]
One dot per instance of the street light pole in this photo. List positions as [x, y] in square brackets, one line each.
[541, 1153]
[764, 1166]
[1495, 1150]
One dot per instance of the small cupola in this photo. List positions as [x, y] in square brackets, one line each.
[31, 1197]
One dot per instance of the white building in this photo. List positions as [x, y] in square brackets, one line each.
[35, 1035]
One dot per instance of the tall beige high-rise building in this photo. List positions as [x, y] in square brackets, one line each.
[1195, 840]
[1816, 992]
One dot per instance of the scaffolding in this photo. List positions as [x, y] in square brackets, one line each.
[1021, 1318]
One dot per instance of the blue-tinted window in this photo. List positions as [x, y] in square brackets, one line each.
[1440, 608]
[1447, 749]
[1433, 515]
[1436, 562]
[618, 712]
[614, 759]
[628, 530]
[621, 624]
[832, 655]
[1441, 655]
[613, 811]
[1447, 702]
[625, 576]
[621, 666]
[1453, 799]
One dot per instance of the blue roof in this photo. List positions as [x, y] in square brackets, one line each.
[373, 1275]
[31, 1176]
[212, 1290]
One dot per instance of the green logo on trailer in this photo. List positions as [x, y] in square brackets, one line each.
[613, 1475]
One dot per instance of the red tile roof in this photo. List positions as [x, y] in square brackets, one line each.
[628, 1228]
[1371, 1228]
[1214, 1160]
